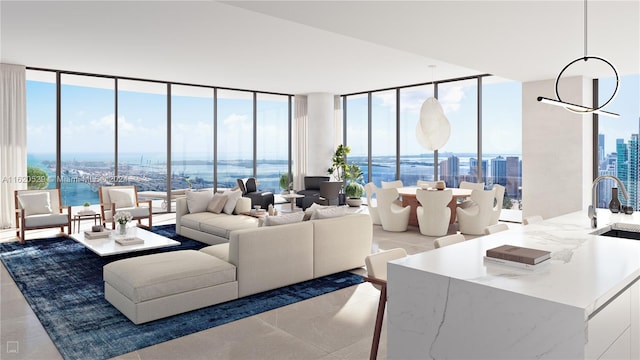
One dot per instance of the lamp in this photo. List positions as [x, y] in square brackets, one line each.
[433, 129]
[581, 109]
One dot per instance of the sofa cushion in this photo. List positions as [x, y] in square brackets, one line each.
[46, 220]
[33, 204]
[221, 251]
[222, 225]
[197, 201]
[309, 211]
[216, 204]
[232, 200]
[155, 276]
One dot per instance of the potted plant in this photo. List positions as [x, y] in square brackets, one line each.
[286, 183]
[354, 189]
[339, 166]
[86, 207]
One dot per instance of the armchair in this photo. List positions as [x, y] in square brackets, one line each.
[123, 198]
[392, 216]
[329, 191]
[311, 190]
[473, 219]
[249, 189]
[40, 209]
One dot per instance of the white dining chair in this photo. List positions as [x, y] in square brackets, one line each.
[473, 219]
[434, 213]
[370, 189]
[497, 205]
[532, 219]
[392, 184]
[492, 229]
[392, 216]
[448, 240]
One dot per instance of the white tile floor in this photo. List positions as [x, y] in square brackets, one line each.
[338, 325]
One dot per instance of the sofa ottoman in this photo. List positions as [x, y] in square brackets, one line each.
[151, 287]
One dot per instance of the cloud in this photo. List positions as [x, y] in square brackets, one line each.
[451, 98]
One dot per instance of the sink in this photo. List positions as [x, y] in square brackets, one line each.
[620, 230]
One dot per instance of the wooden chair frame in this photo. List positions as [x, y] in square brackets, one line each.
[111, 206]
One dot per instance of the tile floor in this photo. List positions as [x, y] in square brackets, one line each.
[337, 325]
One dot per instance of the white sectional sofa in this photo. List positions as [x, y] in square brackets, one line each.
[259, 258]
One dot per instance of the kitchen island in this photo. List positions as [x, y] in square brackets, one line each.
[582, 303]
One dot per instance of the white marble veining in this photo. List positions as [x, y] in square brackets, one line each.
[450, 296]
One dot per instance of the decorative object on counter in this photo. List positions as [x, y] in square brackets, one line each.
[270, 210]
[122, 218]
[97, 228]
[627, 209]
[614, 204]
[519, 254]
[440, 185]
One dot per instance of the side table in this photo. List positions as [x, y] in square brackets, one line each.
[292, 198]
[97, 219]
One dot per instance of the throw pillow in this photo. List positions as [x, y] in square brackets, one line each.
[217, 203]
[284, 219]
[35, 203]
[330, 212]
[241, 186]
[197, 201]
[232, 200]
[123, 198]
[309, 211]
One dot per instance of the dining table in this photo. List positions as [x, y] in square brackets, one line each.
[408, 195]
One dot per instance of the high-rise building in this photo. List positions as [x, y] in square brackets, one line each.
[601, 154]
[514, 169]
[499, 170]
[622, 168]
[449, 171]
[632, 178]
[473, 170]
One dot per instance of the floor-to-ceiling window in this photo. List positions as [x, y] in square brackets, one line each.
[87, 133]
[459, 100]
[383, 136]
[357, 131]
[618, 146]
[41, 127]
[235, 136]
[416, 163]
[502, 138]
[142, 135]
[191, 137]
[272, 142]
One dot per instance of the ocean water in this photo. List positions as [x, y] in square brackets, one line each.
[83, 174]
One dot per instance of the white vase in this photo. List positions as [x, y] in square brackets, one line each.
[354, 202]
[122, 229]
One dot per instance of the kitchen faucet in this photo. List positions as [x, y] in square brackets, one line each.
[594, 195]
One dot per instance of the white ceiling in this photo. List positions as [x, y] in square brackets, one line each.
[302, 47]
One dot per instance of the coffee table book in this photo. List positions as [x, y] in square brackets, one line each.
[129, 240]
[90, 235]
[519, 254]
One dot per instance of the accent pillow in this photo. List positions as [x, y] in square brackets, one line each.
[197, 201]
[35, 203]
[284, 219]
[232, 200]
[123, 198]
[217, 203]
[327, 213]
[309, 211]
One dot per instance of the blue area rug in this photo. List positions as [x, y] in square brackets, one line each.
[62, 282]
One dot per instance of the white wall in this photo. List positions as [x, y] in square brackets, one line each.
[556, 149]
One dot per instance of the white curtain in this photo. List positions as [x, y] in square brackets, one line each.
[337, 121]
[300, 125]
[13, 138]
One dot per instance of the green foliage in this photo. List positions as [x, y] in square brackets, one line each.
[36, 178]
[354, 190]
[86, 203]
[339, 166]
[286, 181]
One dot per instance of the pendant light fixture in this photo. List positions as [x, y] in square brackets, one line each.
[433, 128]
[581, 109]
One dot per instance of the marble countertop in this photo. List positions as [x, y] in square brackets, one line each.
[584, 271]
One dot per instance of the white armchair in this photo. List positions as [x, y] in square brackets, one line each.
[471, 186]
[123, 198]
[434, 214]
[371, 189]
[40, 209]
[475, 218]
[497, 207]
[392, 216]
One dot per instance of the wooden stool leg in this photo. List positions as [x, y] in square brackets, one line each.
[379, 318]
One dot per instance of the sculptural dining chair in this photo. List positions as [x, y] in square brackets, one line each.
[434, 213]
[497, 204]
[392, 216]
[370, 189]
[475, 218]
[470, 186]
[492, 229]
[425, 184]
[377, 276]
[392, 184]
[532, 219]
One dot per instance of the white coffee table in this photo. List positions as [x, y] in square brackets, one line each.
[108, 246]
